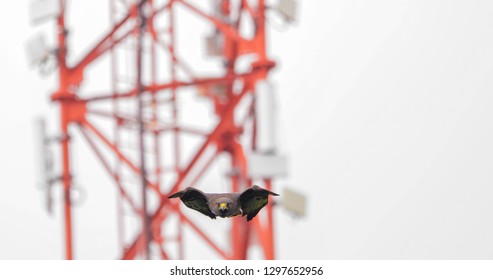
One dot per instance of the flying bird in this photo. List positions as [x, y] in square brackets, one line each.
[225, 205]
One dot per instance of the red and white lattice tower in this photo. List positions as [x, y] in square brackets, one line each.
[148, 111]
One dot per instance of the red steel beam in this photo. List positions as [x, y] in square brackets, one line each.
[269, 231]
[108, 42]
[173, 55]
[204, 236]
[67, 182]
[265, 231]
[171, 85]
[120, 155]
[106, 166]
[64, 123]
[105, 44]
[223, 27]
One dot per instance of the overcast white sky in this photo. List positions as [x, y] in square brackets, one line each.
[385, 113]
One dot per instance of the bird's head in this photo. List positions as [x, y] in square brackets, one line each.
[223, 206]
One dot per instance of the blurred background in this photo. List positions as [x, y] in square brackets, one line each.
[382, 110]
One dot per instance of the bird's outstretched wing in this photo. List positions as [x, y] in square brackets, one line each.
[196, 200]
[254, 199]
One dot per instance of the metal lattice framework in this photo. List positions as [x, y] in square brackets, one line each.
[148, 110]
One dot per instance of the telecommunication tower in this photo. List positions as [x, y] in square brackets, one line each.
[146, 112]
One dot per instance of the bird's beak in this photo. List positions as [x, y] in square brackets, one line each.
[223, 206]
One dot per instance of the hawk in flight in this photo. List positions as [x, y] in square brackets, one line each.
[248, 203]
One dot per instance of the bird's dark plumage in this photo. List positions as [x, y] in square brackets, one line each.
[254, 199]
[195, 199]
[247, 203]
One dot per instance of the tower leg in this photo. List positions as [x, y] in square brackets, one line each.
[241, 229]
[66, 178]
[239, 234]
[268, 232]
